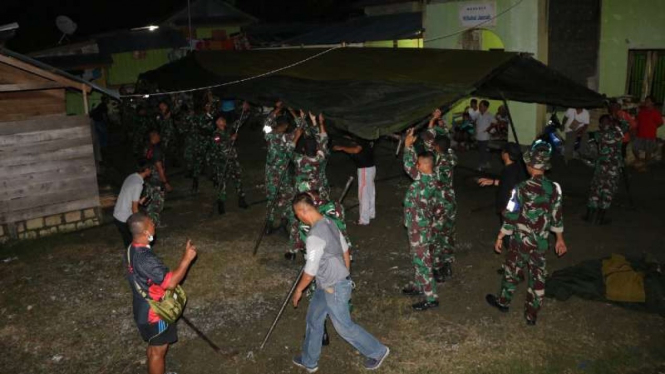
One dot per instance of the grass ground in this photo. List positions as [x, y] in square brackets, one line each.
[65, 306]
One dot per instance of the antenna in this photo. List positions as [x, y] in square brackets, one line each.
[66, 26]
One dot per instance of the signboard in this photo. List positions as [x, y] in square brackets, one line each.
[477, 14]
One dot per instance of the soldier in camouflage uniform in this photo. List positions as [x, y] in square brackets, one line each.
[141, 124]
[533, 211]
[279, 180]
[166, 125]
[445, 161]
[308, 164]
[223, 158]
[199, 130]
[608, 168]
[423, 206]
[157, 184]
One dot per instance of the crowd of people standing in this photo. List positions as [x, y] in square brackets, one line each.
[299, 203]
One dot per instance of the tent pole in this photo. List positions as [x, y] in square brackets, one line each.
[510, 118]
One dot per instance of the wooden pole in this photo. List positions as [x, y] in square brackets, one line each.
[85, 98]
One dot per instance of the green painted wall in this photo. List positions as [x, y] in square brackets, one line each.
[126, 69]
[403, 43]
[74, 101]
[517, 30]
[634, 24]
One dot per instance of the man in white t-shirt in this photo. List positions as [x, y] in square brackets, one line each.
[576, 123]
[129, 199]
[483, 123]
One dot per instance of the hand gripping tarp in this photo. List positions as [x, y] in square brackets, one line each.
[374, 91]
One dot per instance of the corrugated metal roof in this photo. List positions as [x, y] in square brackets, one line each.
[364, 29]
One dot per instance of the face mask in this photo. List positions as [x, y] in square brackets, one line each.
[150, 237]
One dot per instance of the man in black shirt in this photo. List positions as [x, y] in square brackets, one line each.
[362, 154]
[512, 174]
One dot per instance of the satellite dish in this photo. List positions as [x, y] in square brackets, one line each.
[66, 26]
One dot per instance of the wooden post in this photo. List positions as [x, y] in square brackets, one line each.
[85, 98]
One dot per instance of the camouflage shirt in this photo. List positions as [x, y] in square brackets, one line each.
[221, 146]
[424, 201]
[609, 143]
[308, 169]
[534, 208]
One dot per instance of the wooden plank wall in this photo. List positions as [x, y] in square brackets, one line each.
[16, 106]
[46, 167]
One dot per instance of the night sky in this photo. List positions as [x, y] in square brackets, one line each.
[37, 17]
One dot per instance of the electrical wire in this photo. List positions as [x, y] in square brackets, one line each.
[475, 26]
[313, 57]
[236, 81]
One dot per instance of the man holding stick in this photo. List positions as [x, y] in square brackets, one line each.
[329, 261]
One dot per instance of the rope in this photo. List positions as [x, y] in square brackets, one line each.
[239, 80]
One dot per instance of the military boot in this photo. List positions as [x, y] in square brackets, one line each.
[494, 302]
[600, 217]
[590, 215]
[438, 275]
[242, 203]
[424, 305]
[220, 207]
[290, 256]
[195, 185]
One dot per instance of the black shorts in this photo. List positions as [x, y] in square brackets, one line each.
[159, 333]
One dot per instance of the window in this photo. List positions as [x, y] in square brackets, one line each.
[646, 74]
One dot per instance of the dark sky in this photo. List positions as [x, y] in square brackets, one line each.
[37, 17]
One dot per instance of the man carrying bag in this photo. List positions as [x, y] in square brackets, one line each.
[158, 299]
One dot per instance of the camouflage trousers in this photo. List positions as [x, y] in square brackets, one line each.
[156, 196]
[234, 172]
[521, 256]
[604, 185]
[420, 241]
[279, 192]
[195, 158]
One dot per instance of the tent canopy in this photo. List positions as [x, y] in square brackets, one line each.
[374, 91]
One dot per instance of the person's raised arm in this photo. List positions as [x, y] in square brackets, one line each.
[352, 150]
[410, 157]
[179, 273]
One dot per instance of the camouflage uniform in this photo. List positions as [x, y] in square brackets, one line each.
[167, 130]
[154, 189]
[141, 125]
[423, 206]
[444, 229]
[279, 185]
[533, 211]
[199, 130]
[223, 155]
[308, 170]
[608, 165]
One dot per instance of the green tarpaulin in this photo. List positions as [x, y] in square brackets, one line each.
[374, 91]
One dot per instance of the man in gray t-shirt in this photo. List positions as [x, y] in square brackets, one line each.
[328, 260]
[129, 199]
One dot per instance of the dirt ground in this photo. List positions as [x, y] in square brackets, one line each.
[65, 306]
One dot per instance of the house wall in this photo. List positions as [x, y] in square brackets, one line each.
[48, 180]
[625, 25]
[126, 67]
[521, 29]
[206, 32]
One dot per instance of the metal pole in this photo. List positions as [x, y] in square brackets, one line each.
[510, 118]
[346, 189]
[201, 335]
[281, 310]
